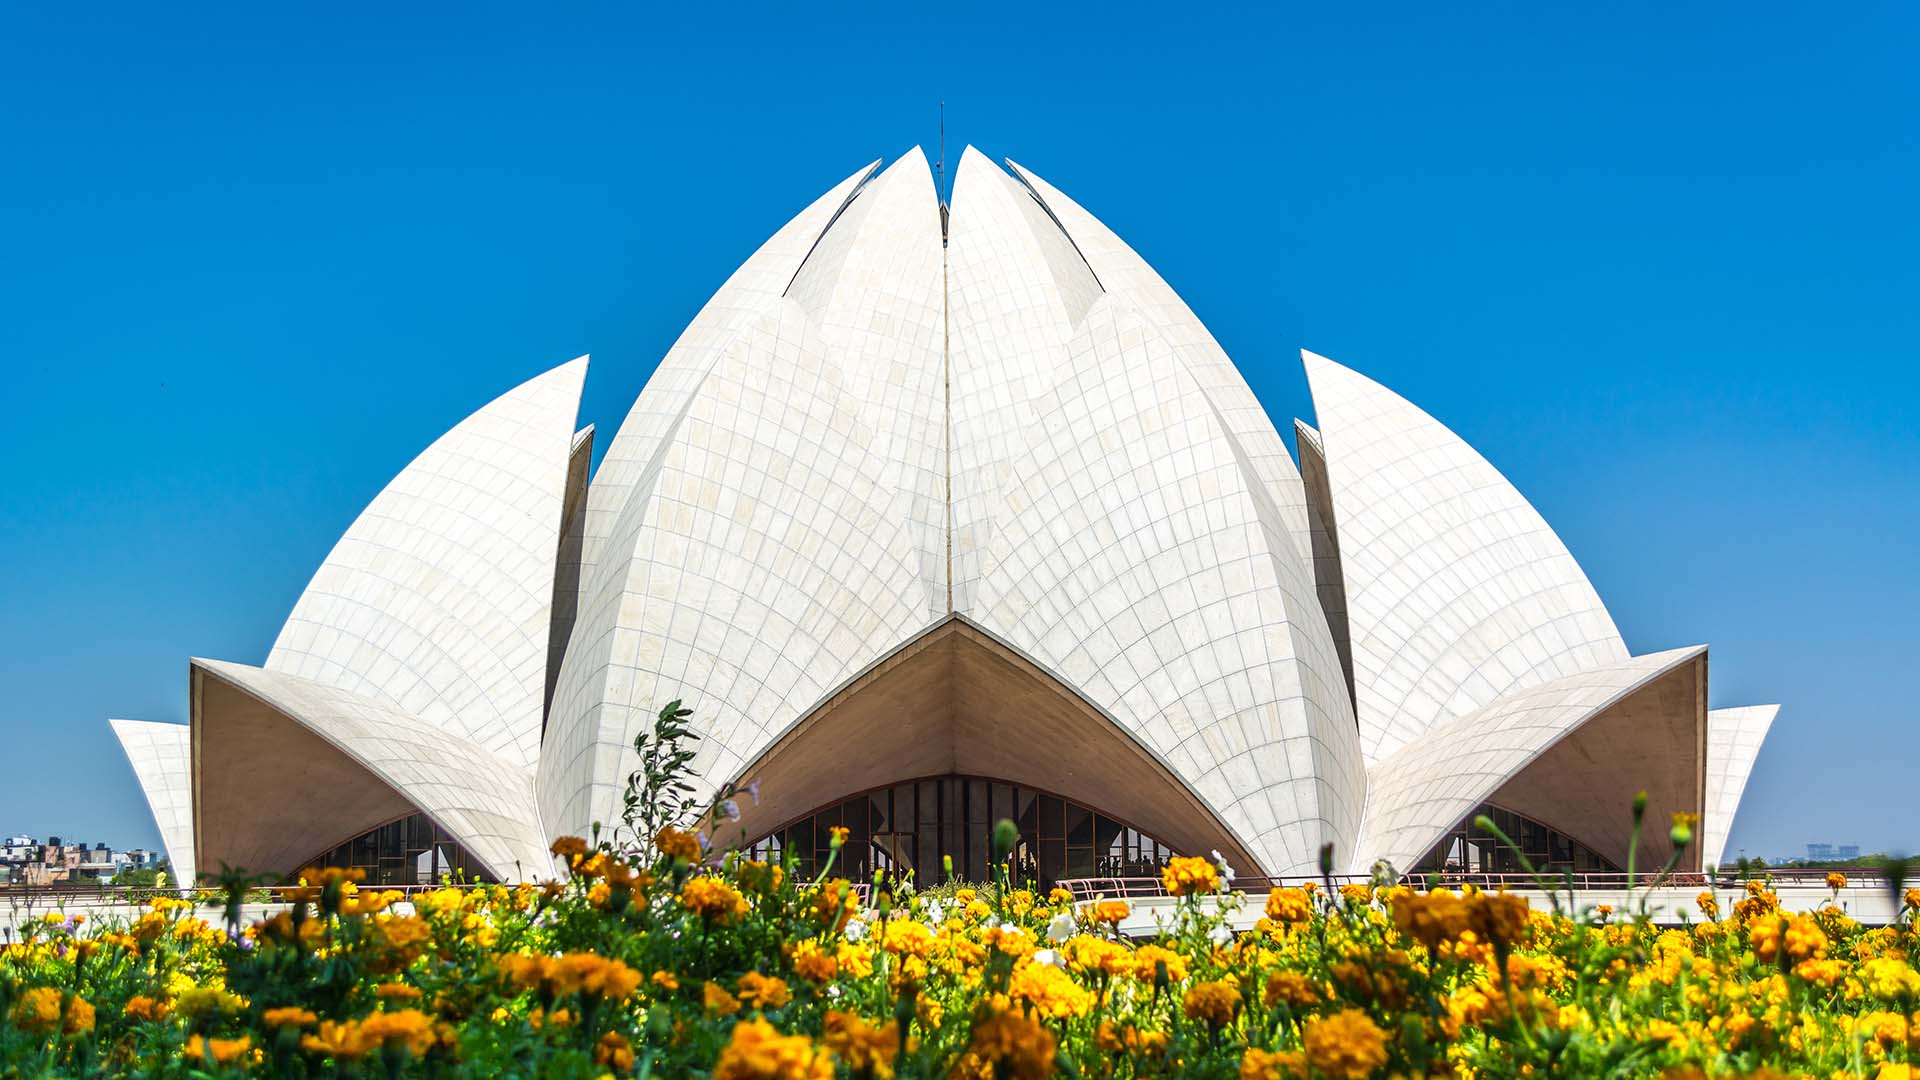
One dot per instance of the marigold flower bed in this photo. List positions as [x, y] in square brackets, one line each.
[654, 965]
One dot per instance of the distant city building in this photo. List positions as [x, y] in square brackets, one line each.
[26, 861]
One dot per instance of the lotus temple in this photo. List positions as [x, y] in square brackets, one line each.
[937, 514]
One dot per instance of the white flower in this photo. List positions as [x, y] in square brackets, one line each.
[856, 930]
[991, 922]
[1062, 927]
[1225, 870]
[1049, 956]
[935, 916]
[1220, 935]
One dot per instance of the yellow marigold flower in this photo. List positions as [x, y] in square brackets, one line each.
[1059, 896]
[594, 975]
[1347, 1044]
[1151, 963]
[761, 877]
[1261, 1064]
[1107, 912]
[289, 1016]
[1836, 881]
[1188, 875]
[762, 991]
[1052, 992]
[1289, 906]
[1895, 1070]
[1216, 1002]
[757, 1051]
[1889, 978]
[716, 1000]
[1431, 918]
[812, 964]
[1501, 917]
[678, 844]
[864, 1048]
[1709, 906]
[1009, 1046]
[712, 899]
[599, 894]
[405, 1027]
[215, 1051]
[1911, 898]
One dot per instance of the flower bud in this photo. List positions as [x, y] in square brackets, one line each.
[1639, 807]
[1005, 835]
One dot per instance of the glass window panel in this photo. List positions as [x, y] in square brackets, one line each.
[1051, 818]
[1079, 825]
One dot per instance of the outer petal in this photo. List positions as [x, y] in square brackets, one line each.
[285, 767]
[1733, 744]
[1142, 559]
[162, 759]
[785, 534]
[1123, 272]
[1016, 289]
[1639, 724]
[745, 296]
[1457, 590]
[438, 600]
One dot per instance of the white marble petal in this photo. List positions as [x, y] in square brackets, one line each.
[485, 802]
[439, 598]
[162, 759]
[1458, 592]
[1140, 557]
[1429, 784]
[1733, 744]
[788, 531]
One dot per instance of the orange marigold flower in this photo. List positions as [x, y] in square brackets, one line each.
[757, 1051]
[865, 1049]
[665, 980]
[1009, 1046]
[712, 898]
[142, 1007]
[1107, 912]
[1347, 1044]
[1261, 1064]
[762, 991]
[569, 847]
[813, 964]
[1216, 1002]
[1291, 988]
[1188, 875]
[289, 1016]
[405, 1027]
[614, 1051]
[715, 999]
[1836, 881]
[215, 1051]
[677, 844]
[44, 1009]
[1289, 906]
[837, 835]
[394, 991]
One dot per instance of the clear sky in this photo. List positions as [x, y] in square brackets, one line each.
[1658, 264]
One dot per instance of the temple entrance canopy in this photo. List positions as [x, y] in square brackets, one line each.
[929, 723]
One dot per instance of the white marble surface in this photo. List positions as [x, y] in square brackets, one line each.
[1733, 744]
[162, 759]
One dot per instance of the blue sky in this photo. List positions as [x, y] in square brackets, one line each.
[1659, 266]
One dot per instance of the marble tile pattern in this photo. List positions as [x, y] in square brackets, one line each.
[438, 599]
[1433, 781]
[1458, 592]
[484, 800]
[789, 530]
[874, 426]
[162, 759]
[1734, 737]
